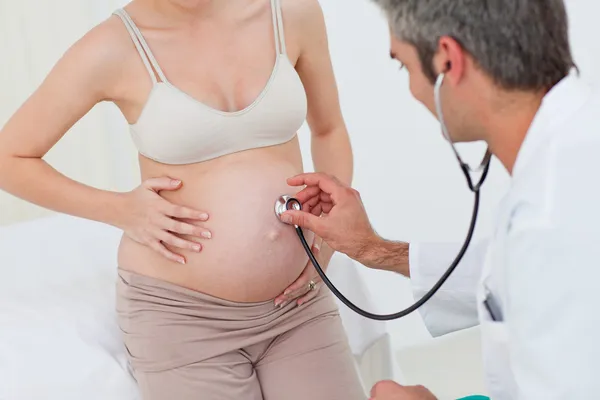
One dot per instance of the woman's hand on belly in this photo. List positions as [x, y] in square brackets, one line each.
[301, 289]
[153, 221]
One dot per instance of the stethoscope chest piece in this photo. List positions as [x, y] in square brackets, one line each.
[285, 203]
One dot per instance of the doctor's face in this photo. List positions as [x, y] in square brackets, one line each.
[420, 87]
[454, 103]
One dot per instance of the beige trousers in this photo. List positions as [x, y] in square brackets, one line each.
[186, 345]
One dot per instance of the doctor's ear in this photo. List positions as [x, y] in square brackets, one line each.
[451, 58]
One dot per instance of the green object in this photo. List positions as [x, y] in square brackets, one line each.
[476, 397]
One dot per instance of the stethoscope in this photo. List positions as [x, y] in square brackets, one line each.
[285, 203]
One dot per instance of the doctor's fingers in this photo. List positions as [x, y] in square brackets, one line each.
[310, 192]
[327, 183]
[321, 208]
[310, 204]
[316, 206]
[305, 220]
[317, 210]
[390, 390]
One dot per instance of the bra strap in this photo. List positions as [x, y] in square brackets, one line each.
[138, 46]
[142, 47]
[278, 26]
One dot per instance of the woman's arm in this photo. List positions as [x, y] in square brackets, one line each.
[80, 79]
[331, 149]
[90, 71]
[330, 143]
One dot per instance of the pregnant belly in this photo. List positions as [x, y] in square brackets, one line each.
[252, 256]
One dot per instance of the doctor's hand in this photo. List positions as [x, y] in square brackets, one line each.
[389, 390]
[334, 212]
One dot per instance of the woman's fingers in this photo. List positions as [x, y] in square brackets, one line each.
[161, 249]
[299, 291]
[184, 228]
[175, 241]
[311, 294]
[161, 183]
[161, 225]
[182, 212]
[301, 285]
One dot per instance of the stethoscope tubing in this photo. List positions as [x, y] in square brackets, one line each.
[417, 304]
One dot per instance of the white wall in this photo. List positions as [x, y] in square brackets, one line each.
[407, 175]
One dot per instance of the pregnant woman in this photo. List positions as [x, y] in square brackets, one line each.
[216, 298]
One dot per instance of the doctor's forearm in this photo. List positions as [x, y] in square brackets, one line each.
[386, 255]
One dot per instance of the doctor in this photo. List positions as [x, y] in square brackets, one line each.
[509, 80]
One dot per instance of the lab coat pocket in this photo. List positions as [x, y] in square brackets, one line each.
[494, 337]
[495, 332]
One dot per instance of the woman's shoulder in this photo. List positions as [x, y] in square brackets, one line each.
[99, 54]
[304, 20]
[107, 41]
[302, 11]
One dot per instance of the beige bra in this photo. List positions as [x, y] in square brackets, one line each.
[175, 128]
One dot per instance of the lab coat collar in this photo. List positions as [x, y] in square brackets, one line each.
[559, 104]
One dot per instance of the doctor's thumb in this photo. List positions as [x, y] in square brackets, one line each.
[301, 219]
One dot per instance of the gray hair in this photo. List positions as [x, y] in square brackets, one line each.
[521, 44]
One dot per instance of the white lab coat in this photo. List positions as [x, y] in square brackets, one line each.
[541, 265]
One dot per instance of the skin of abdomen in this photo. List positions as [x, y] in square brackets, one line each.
[252, 256]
